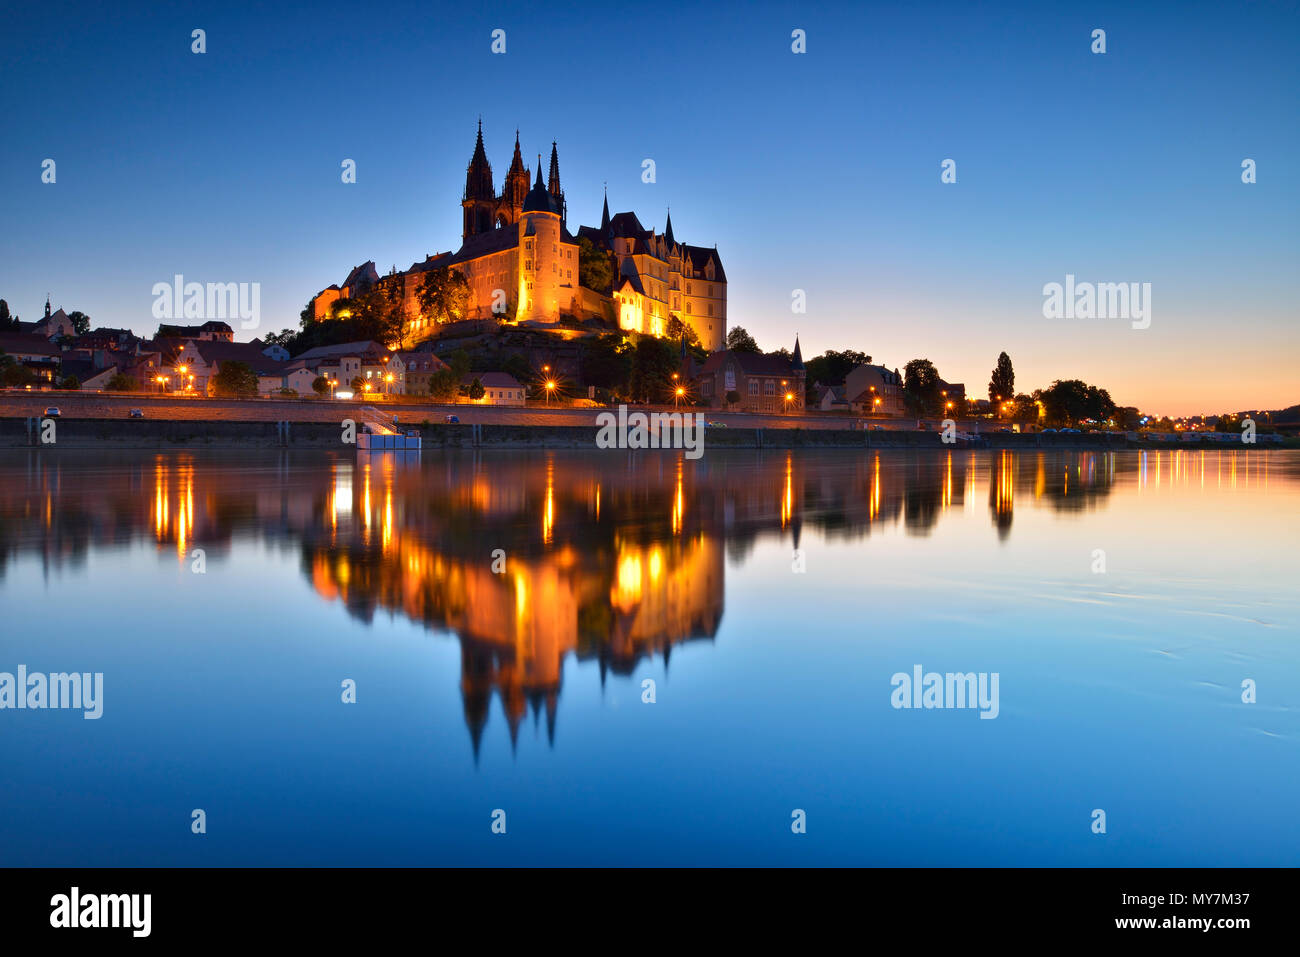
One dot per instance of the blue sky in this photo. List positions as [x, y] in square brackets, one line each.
[818, 171]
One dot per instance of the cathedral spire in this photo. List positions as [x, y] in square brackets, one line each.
[478, 176]
[517, 162]
[668, 230]
[553, 181]
[604, 216]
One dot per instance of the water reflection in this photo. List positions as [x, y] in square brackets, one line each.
[530, 558]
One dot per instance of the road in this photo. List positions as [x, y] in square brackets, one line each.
[104, 405]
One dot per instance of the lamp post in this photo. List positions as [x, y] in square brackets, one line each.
[550, 387]
[677, 394]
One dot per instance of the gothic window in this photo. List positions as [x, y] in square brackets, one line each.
[753, 387]
[769, 387]
[731, 379]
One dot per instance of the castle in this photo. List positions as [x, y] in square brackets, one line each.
[521, 262]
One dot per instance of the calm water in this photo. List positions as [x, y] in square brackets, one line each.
[522, 690]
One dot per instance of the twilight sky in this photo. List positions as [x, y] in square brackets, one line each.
[818, 171]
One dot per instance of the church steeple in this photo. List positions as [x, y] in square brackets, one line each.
[480, 195]
[516, 185]
[796, 361]
[553, 181]
[668, 231]
[478, 176]
[47, 306]
[604, 216]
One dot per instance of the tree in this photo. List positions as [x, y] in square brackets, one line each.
[71, 383]
[6, 320]
[443, 295]
[595, 271]
[738, 340]
[476, 390]
[1024, 409]
[358, 384]
[16, 375]
[122, 383]
[395, 325]
[733, 397]
[320, 385]
[921, 382]
[80, 322]
[653, 364]
[676, 329]
[284, 338]
[1071, 401]
[606, 363]
[1002, 386]
[831, 367]
[444, 384]
[235, 379]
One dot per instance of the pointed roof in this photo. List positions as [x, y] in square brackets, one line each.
[553, 181]
[668, 230]
[517, 161]
[604, 215]
[796, 361]
[478, 175]
[539, 199]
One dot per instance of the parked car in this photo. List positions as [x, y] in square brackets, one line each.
[136, 413]
[1004, 429]
[454, 419]
[716, 425]
[53, 411]
[1071, 431]
[1049, 431]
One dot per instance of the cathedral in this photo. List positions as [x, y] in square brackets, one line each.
[521, 262]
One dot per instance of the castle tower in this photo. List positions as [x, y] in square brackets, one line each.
[553, 183]
[515, 189]
[479, 200]
[539, 245]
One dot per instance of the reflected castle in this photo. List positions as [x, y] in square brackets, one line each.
[528, 558]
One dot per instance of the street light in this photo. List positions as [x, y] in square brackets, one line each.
[677, 394]
[550, 387]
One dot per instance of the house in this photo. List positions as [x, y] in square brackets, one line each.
[342, 363]
[829, 398]
[193, 367]
[499, 388]
[51, 326]
[772, 382]
[413, 370]
[35, 352]
[294, 375]
[874, 390]
[212, 331]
